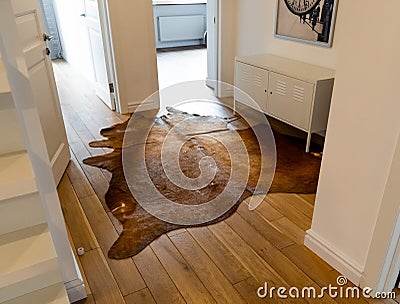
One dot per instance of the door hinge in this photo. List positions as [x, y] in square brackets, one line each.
[111, 86]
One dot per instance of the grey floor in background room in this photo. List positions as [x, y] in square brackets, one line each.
[179, 65]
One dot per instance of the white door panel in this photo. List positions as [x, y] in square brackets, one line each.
[40, 72]
[101, 70]
[48, 113]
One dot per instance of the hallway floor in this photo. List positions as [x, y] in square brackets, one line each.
[180, 65]
[223, 263]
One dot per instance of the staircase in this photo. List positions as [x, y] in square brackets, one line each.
[29, 267]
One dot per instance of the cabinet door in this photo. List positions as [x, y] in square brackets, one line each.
[254, 82]
[290, 100]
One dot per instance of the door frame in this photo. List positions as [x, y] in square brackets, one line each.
[105, 26]
[109, 57]
[213, 83]
[383, 261]
[213, 6]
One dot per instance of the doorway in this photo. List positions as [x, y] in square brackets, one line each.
[78, 33]
[185, 40]
[181, 64]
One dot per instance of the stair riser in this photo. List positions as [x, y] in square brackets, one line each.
[20, 213]
[54, 294]
[11, 140]
[30, 285]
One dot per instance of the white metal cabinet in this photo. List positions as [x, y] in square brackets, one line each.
[252, 81]
[294, 92]
[290, 100]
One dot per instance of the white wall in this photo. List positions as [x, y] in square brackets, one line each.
[363, 126]
[132, 31]
[362, 133]
[74, 35]
[255, 26]
[228, 40]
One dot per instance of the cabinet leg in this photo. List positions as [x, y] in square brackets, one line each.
[308, 142]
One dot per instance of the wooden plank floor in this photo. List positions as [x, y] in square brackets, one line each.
[223, 263]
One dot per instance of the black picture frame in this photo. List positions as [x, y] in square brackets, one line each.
[316, 27]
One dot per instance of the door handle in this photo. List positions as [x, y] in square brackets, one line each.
[47, 37]
[83, 15]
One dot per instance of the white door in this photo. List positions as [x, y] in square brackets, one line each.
[100, 54]
[212, 39]
[31, 35]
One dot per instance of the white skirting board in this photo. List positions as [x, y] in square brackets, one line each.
[344, 265]
[224, 90]
[151, 103]
[76, 290]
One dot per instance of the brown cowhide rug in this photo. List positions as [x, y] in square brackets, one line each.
[296, 172]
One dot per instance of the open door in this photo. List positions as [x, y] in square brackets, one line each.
[212, 39]
[40, 71]
[100, 51]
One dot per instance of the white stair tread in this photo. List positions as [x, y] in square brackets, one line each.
[54, 294]
[4, 86]
[16, 176]
[25, 254]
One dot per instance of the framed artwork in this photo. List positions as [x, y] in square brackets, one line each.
[308, 21]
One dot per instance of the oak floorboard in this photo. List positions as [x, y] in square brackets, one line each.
[209, 274]
[312, 265]
[72, 136]
[256, 266]
[157, 279]
[310, 198]
[175, 232]
[94, 175]
[74, 216]
[248, 290]
[220, 254]
[116, 223]
[78, 179]
[183, 276]
[290, 229]
[268, 212]
[102, 284]
[125, 272]
[300, 204]
[140, 297]
[290, 273]
[272, 234]
[284, 207]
